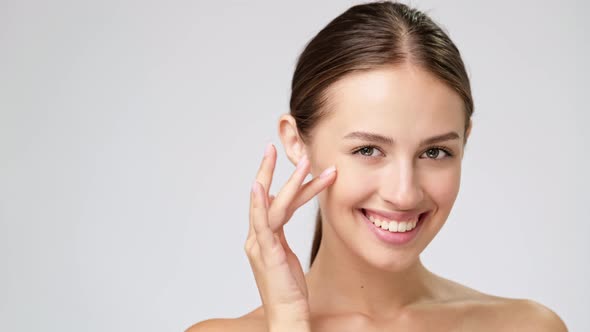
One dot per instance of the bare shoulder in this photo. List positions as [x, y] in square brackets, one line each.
[529, 315]
[507, 314]
[251, 322]
[486, 312]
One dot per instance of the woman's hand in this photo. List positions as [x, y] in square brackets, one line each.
[278, 273]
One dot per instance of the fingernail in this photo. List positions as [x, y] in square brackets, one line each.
[302, 162]
[268, 150]
[327, 172]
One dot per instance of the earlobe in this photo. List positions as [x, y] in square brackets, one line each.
[289, 135]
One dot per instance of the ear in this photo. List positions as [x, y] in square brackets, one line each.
[289, 135]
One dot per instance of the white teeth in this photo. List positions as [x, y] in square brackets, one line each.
[394, 226]
[402, 226]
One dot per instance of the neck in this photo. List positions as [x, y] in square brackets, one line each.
[344, 283]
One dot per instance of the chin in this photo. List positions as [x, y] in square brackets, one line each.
[390, 262]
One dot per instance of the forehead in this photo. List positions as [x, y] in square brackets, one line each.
[394, 100]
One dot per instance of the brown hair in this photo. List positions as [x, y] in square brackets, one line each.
[364, 37]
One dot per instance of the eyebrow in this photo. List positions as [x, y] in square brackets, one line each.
[372, 137]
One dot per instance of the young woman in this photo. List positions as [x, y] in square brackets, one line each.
[380, 115]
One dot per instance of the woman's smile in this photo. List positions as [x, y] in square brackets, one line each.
[391, 231]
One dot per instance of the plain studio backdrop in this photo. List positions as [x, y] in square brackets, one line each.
[130, 134]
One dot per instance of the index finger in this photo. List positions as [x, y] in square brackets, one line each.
[264, 176]
[266, 169]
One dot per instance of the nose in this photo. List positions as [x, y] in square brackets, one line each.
[401, 187]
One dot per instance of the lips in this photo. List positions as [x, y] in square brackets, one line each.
[394, 238]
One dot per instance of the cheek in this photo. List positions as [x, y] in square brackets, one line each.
[352, 186]
[443, 188]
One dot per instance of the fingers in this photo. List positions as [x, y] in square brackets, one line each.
[278, 273]
[266, 239]
[314, 187]
[258, 216]
[267, 167]
[281, 203]
[294, 195]
[264, 177]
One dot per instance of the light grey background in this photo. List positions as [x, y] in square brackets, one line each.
[130, 133]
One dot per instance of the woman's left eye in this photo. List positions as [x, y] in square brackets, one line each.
[434, 153]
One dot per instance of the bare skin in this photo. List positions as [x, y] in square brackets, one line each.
[359, 282]
[458, 309]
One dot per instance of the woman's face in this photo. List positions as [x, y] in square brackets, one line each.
[377, 133]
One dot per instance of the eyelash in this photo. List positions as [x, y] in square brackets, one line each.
[441, 148]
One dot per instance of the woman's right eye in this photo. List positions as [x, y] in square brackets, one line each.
[368, 151]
